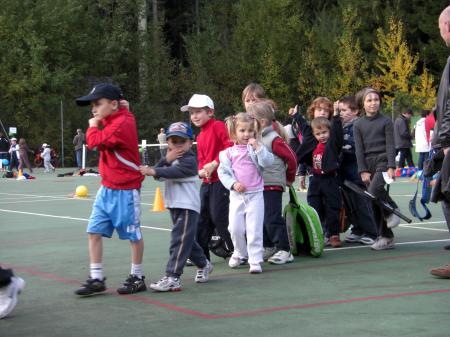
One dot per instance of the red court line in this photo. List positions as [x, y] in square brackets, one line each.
[299, 266]
[187, 311]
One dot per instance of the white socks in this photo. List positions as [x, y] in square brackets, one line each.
[136, 269]
[96, 271]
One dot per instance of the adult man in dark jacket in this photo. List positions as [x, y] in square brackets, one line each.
[403, 138]
[441, 136]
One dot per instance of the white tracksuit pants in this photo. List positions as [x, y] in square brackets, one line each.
[246, 219]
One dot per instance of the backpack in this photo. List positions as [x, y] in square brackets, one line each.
[218, 246]
[303, 226]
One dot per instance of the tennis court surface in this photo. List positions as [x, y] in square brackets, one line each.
[351, 291]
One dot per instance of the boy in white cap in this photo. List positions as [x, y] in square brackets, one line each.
[214, 197]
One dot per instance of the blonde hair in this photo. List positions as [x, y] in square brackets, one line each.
[316, 103]
[241, 117]
[265, 109]
[253, 89]
[320, 123]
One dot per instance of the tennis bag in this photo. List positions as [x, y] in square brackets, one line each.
[303, 226]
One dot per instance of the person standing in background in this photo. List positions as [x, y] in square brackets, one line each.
[162, 142]
[78, 142]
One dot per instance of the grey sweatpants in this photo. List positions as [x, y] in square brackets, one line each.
[182, 243]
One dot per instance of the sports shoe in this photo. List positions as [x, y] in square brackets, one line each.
[167, 283]
[255, 268]
[91, 286]
[8, 295]
[335, 241]
[326, 242]
[353, 238]
[132, 284]
[442, 272]
[235, 262]
[281, 257]
[268, 252]
[189, 263]
[366, 240]
[202, 275]
[392, 220]
[383, 243]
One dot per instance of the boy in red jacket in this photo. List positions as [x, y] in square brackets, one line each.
[112, 131]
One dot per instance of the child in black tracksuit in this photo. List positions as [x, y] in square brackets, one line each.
[320, 149]
[375, 153]
[359, 209]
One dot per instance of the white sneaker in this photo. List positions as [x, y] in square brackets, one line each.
[281, 257]
[383, 243]
[366, 240]
[202, 275]
[392, 221]
[189, 263]
[255, 268]
[235, 262]
[352, 238]
[167, 283]
[268, 252]
[8, 295]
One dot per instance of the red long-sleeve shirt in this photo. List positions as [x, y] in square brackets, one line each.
[118, 135]
[284, 151]
[212, 139]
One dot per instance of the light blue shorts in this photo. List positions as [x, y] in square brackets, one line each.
[118, 210]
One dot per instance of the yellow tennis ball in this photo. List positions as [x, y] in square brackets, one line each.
[81, 191]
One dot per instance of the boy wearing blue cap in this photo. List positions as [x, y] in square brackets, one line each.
[180, 172]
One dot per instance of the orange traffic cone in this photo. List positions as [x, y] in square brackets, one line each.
[158, 203]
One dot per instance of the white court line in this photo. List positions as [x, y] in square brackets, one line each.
[51, 200]
[422, 223]
[426, 228]
[397, 244]
[71, 218]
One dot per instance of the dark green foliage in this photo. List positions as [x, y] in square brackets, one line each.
[55, 50]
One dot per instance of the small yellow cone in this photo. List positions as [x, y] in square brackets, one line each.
[158, 203]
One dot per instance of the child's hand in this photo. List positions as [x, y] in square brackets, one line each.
[94, 121]
[293, 111]
[302, 181]
[124, 103]
[203, 174]
[336, 108]
[238, 187]
[210, 167]
[254, 143]
[391, 173]
[172, 155]
[147, 171]
[365, 177]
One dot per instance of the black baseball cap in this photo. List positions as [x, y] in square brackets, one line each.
[102, 90]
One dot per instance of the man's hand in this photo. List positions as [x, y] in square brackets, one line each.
[147, 171]
[238, 187]
[365, 177]
[124, 103]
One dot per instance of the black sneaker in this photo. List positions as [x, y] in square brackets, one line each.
[133, 284]
[91, 286]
